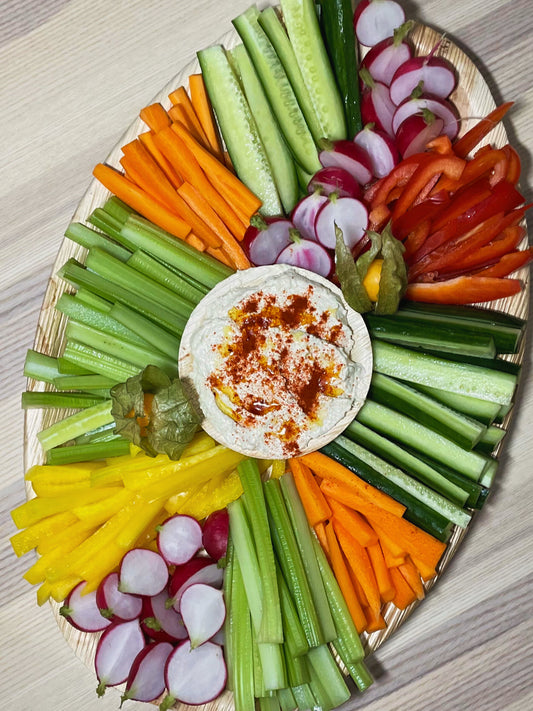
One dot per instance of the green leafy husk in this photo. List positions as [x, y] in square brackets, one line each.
[172, 421]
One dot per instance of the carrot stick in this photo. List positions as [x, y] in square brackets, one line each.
[313, 500]
[343, 578]
[155, 117]
[320, 530]
[179, 114]
[244, 197]
[359, 562]
[376, 622]
[204, 111]
[412, 539]
[353, 522]
[361, 595]
[404, 595]
[140, 201]
[329, 469]
[180, 98]
[477, 133]
[147, 139]
[180, 156]
[412, 578]
[202, 208]
[426, 571]
[219, 254]
[197, 243]
[383, 578]
[393, 556]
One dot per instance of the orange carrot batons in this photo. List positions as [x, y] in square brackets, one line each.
[147, 139]
[316, 507]
[359, 562]
[204, 111]
[155, 117]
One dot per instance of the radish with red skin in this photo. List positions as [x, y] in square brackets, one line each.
[194, 676]
[435, 74]
[304, 215]
[346, 154]
[380, 148]
[442, 108]
[161, 622]
[265, 238]
[117, 648]
[350, 215]
[203, 612]
[142, 572]
[386, 56]
[307, 254]
[115, 605]
[416, 131]
[333, 180]
[374, 20]
[82, 611]
[376, 105]
[146, 680]
[197, 570]
[179, 539]
[215, 534]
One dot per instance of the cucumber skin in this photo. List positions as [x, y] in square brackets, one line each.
[238, 128]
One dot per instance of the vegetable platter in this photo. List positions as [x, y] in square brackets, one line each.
[51, 332]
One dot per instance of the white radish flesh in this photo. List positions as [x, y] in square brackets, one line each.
[115, 605]
[116, 652]
[347, 155]
[142, 572]
[374, 20]
[215, 533]
[416, 131]
[380, 149]
[197, 570]
[334, 180]
[307, 254]
[384, 58]
[440, 107]
[82, 611]
[146, 681]
[179, 538]
[434, 74]
[203, 611]
[160, 622]
[376, 105]
[265, 240]
[350, 215]
[195, 676]
[304, 215]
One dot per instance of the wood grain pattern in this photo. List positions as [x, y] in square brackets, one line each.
[72, 79]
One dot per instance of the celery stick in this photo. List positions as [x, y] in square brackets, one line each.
[39, 366]
[87, 237]
[150, 267]
[297, 668]
[66, 368]
[254, 502]
[95, 302]
[90, 382]
[327, 681]
[100, 363]
[106, 223]
[86, 452]
[75, 425]
[118, 209]
[229, 622]
[286, 700]
[241, 664]
[259, 682]
[304, 696]
[304, 539]
[295, 640]
[160, 338]
[291, 562]
[269, 703]
[100, 434]
[75, 401]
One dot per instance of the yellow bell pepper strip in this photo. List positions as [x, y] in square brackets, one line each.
[95, 570]
[36, 509]
[27, 539]
[43, 593]
[47, 490]
[99, 512]
[278, 468]
[59, 474]
[143, 513]
[227, 490]
[61, 588]
[177, 501]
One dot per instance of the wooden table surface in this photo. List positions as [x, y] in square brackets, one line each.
[74, 74]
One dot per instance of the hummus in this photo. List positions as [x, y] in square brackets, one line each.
[276, 362]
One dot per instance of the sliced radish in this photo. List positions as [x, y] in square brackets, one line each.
[386, 56]
[307, 254]
[265, 238]
[215, 533]
[197, 570]
[435, 74]
[179, 538]
[115, 605]
[350, 215]
[346, 154]
[160, 621]
[203, 611]
[82, 611]
[115, 653]
[380, 149]
[442, 108]
[376, 105]
[146, 680]
[416, 131]
[304, 215]
[334, 180]
[194, 676]
[142, 572]
[374, 20]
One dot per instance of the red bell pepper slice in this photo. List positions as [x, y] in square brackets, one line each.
[463, 290]
[484, 163]
[464, 145]
[507, 264]
[399, 176]
[513, 165]
[507, 241]
[416, 239]
[465, 199]
[430, 208]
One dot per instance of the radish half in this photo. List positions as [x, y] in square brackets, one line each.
[442, 108]
[203, 611]
[386, 56]
[374, 20]
[265, 238]
[376, 105]
[416, 131]
[346, 154]
[434, 74]
[334, 180]
[116, 652]
[197, 570]
[194, 676]
[116, 605]
[161, 622]
[215, 533]
[142, 572]
[82, 611]
[350, 215]
[179, 538]
[307, 254]
[380, 148]
[304, 215]
[146, 680]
